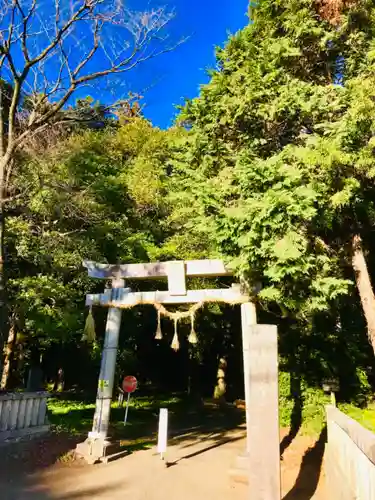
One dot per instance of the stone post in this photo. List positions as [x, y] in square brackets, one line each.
[248, 318]
[96, 446]
[263, 426]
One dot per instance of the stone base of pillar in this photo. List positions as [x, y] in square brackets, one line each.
[94, 450]
[239, 473]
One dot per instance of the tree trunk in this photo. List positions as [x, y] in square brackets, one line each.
[20, 365]
[8, 357]
[59, 384]
[220, 388]
[364, 286]
[3, 301]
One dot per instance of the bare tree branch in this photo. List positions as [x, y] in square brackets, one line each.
[66, 44]
[25, 21]
[95, 47]
[60, 33]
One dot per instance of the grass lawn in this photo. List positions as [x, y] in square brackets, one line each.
[365, 416]
[74, 416]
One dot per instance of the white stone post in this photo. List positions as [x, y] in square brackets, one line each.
[248, 319]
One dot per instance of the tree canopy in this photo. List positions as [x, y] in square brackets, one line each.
[270, 168]
[278, 147]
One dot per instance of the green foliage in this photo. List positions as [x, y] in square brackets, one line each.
[300, 405]
[98, 195]
[286, 401]
[365, 416]
[277, 163]
[70, 416]
[276, 177]
[270, 168]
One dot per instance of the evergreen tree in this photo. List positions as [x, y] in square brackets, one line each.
[280, 152]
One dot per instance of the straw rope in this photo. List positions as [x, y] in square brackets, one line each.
[176, 316]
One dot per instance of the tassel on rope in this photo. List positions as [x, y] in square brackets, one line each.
[175, 343]
[89, 334]
[193, 339]
[158, 334]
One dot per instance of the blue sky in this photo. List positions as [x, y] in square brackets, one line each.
[167, 80]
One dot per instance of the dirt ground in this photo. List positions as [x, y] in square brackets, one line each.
[198, 470]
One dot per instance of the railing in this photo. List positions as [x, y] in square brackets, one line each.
[349, 458]
[23, 414]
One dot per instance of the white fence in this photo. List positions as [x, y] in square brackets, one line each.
[349, 458]
[23, 414]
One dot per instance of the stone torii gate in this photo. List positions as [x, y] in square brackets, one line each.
[259, 355]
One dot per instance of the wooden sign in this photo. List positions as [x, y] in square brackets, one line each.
[331, 385]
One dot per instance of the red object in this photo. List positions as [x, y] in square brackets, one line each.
[129, 384]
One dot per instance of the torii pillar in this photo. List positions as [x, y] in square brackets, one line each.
[97, 446]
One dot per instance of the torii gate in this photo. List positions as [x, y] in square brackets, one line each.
[259, 355]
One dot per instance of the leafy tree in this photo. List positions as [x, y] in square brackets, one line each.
[47, 54]
[96, 195]
[279, 155]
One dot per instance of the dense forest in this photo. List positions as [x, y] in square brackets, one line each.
[271, 168]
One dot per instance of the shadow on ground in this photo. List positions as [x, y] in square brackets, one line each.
[21, 462]
[296, 416]
[27, 493]
[309, 474]
[219, 440]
